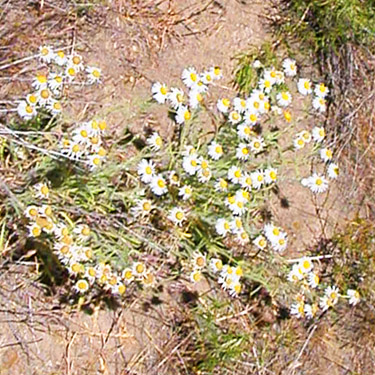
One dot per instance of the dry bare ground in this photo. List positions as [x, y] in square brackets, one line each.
[136, 43]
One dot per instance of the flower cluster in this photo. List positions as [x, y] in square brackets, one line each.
[304, 274]
[228, 276]
[49, 87]
[71, 244]
[86, 143]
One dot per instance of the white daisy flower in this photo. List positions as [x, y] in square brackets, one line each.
[60, 58]
[185, 192]
[175, 97]
[272, 232]
[270, 175]
[257, 179]
[31, 212]
[34, 230]
[260, 242]
[71, 72]
[45, 96]
[354, 296]
[246, 181]
[316, 183]
[239, 105]
[234, 174]
[313, 280]
[189, 77]
[204, 175]
[235, 289]
[173, 178]
[221, 185]
[76, 61]
[158, 185]
[290, 67]
[242, 195]
[93, 74]
[257, 144]
[223, 105]
[139, 270]
[83, 232]
[242, 238]
[216, 72]
[39, 81]
[155, 142]
[190, 164]
[142, 208]
[32, 99]
[306, 264]
[281, 243]
[81, 286]
[244, 131]
[222, 227]
[242, 151]
[159, 92]
[333, 170]
[227, 271]
[177, 215]
[183, 114]
[207, 77]
[226, 281]
[189, 150]
[318, 134]
[199, 87]
[236, 225]
[299, 142]
[41, 190]
[195, 98]
[321, 90]
[284, 98]
[305, 135]
[311, 310]
[326, 154]
[45, 210]
[196, 276]
[46, 54]
[215, 265]
[265, 85]
[199, 260]
[215, 151]
[81, 134]
[94, 161]
[251, 118]
[298, 309]
[253, 103]
[234, 117]
[271, 75]
[304, 86]
[319, 104]
[26, 111]
[238, 208]
[54, 106]
[127, 275]
[296, 274]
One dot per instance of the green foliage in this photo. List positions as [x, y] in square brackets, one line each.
[327, 25]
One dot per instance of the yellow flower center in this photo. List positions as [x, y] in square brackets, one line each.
[316, 279]
[306, 85]
[179, 97]
[273, 74]
[44, 94]
[121, 289]
[329, 154]
[262, 242]
[102, 125]
[306, 264]
[94, 140]
[226, 226]
[319, 181]
[267, 106]
[58, 79]
[239, 204]
[44, 51]
[243, 103]
[76, 267]
[219, 264]
[200, 261]
[204, 164]
[161, 183]
[246, 194]
[140, 268]
[158, 141]
[193, 77]
[322, 133]
[48, 211]
[239, 271]
[89, 254]
[267, 84]
[85, 231]
[245, 151]
[237, 173]
[41, 78]
[199, 97]
[223, 184]
[148, 170]
[253, 117]
[187, 115]
[256, 144]
[179, 215]
[96, 73]
[36, 231]
[219, 150]
[287, 116]
[67, 240]
[75, 148]
[128, 275]
[235, 116]
[82, 285]
[322, 87]
[244, 236]
[71, 71]
[102, 152]
[276, 231]
[248, 181]
[197, 276]
[208, 78]
[226, 102]
[194, 163]
[33, 212]
[336, 170]
[300, 142]
[188, 191]
[76, 60]
[260, 178]
[44, 190]
[217, 71]
[237, 288]
[61, 54]
[163, 90]
[84, 133]
[231, 199]
[206, 173]
[33, 99]
[94, 124]
[57, 106]
[146, 206]
[284, 95]
[29, 109]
